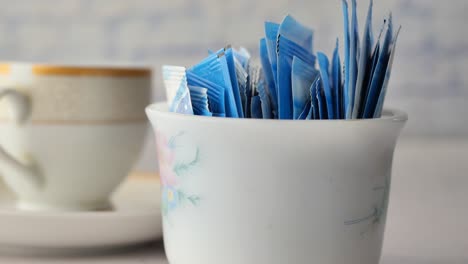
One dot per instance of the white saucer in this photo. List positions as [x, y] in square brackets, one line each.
[136, 218]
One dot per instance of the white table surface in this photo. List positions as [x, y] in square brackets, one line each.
[427, 219]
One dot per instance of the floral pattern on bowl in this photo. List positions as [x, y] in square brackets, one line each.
[171, 171]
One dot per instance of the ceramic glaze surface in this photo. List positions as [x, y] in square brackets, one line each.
[78, 167]
[276, 191]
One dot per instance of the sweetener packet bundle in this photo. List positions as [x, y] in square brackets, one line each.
[289, 84]
[367, 69]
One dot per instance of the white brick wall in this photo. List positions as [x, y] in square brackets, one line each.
[429, 79]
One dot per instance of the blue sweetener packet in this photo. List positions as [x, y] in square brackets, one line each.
[346, 98]
[260, 106]
[378, 75]
[327, 89]
[364, 64]
[371, 69]
[268, 75]
[242, 82]
[302, 76]
[320, 95]
[230, 59]
[305, 113]
[353, 60]
[267, 112]
[337, 87]
[199, 97]
[256, 107]
[215, 69]
[378, 109]
[253, 79]
[291, 29]
[310, 115]
[271, 37]
[294, 39]
[249, 92]
[215, 93]
[177, 92]
[286, 52]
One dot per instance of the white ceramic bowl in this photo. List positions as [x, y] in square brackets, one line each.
[274, 191]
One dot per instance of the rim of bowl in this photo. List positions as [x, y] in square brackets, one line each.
[388, 114]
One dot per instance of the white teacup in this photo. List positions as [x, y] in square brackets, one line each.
[73, 133]
[255, 191]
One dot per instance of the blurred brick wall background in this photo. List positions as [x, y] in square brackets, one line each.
[429, 79]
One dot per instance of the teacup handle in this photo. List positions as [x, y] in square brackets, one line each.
[20, 106]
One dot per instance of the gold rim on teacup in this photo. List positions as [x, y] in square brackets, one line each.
[68, 70]
[76, 94]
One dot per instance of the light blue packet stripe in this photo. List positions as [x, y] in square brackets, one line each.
[302, 76]
[268, 74]
[346, 99]
[364, 61]
[215, 69]
[378, 75]
[383, 92]
[337, 90]
[324, 66]
[271, 36]
[353, 59]
[228, 53]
